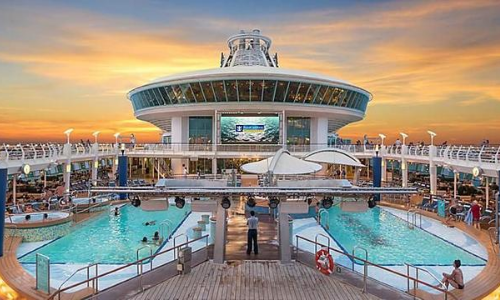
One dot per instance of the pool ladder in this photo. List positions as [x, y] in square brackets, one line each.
[365, 265]
[415, 282]
[94, 282]
[411, 218]
[165, 229]
[322, 212]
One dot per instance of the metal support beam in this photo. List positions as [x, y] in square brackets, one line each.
[122, 174]
[284, 235]
[377, 174]
[3, 200]
[220, 235]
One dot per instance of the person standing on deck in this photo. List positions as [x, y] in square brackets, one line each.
[253, 224]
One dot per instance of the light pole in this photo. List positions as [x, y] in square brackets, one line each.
[382, 137]
[432, 134]
[116, 135]
[68, 133]
[95, 134]
[404, 135]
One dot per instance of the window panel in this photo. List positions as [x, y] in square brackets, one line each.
[220, 90]
[196, 89]
[163, 93]
[231, 91]
[244, 90]
[292, 91]
[336, 97]
[145, 99]
[178, 94]
[171, 94]
[311, 93]
[269, 86]
[328, 95]
[320, 96]
[158, 96]
[301, 93]
[280, 91]
[208, 92]
[256, 90]
[188, 94]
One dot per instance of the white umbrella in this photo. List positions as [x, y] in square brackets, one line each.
[333, 156]
[282, 163]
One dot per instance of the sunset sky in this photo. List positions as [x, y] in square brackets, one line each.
[430, 65]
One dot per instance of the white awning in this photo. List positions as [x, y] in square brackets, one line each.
[333, 156]
[282, 163]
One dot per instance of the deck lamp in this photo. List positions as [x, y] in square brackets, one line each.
[180, 202]
[251, 201]
[67, 133]
[432, 134]
[225, 203]
[404, 135]
[327, 202]
[116, 135]
[95, 134]
[274, 202]
[382, 137]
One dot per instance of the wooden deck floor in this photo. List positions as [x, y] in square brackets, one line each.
[253, 280]
[236, 246]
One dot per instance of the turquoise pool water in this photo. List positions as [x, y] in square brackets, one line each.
[389, 241]
[109, 239]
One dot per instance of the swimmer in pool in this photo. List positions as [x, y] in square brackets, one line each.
[144, 240]
[117, 211]
[156, 238]
[150, 223]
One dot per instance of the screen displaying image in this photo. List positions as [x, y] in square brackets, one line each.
[250, 129]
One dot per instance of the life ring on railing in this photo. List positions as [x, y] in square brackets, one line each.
[324, 262]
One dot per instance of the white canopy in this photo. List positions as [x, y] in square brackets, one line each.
[282, 163]
[333, 156]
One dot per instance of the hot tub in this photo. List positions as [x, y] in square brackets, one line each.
[38, 228]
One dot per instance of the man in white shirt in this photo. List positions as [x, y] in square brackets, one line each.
[253, 224]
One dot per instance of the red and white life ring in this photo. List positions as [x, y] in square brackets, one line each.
[324, 262]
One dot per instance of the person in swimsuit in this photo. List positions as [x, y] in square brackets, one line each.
[456, 278]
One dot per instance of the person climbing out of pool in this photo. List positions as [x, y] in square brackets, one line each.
[150, 223]
[456, 278]
[117, 211]
[253, 223]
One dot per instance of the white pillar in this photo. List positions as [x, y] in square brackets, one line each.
[432, 170]
[404, 166]
[284, 239]
[220, 235]
[44, 179]
[487, 191]
[384, 163]
[455, 179]
[94, 168]
[14, 189]
[67, 170]
[158, 169]
[214, 166]
[356, 175]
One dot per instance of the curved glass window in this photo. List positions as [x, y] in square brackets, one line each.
[249, 90]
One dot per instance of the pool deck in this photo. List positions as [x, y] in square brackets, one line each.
[487, 280]
[255, 279]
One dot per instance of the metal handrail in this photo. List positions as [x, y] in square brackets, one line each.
[96, 278]
[175, 238]
[80, 269]
[321, 212]
[316, 241]
[165, 223]
[150, 261]
[352, 257]
[415, 282]
[365, 266]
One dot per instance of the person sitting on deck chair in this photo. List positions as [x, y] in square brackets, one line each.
[253, 223]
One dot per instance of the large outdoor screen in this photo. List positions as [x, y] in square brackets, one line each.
[250, 129]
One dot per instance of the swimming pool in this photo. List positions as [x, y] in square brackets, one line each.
[108, 239]
[389, 241]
